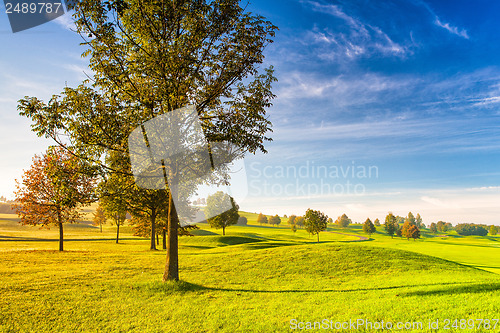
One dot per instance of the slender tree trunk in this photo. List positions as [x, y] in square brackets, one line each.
[100, 225]
[157, 239]
[223, 231]
[318, 236]
[117, 231]
[164, 236]
[61, 238]
[172, 264]
[153, 230]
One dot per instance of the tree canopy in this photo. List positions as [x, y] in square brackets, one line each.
[53, 190]
[225, 219]
[315, 222]
[368, 227]
[343, 221]
[391, 224]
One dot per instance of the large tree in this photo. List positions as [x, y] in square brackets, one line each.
[150, 58]
[225, 219]
[53, 190]
[315, 222]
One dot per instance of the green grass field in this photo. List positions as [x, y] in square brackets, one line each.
[255, 279]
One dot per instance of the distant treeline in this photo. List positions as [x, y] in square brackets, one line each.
[468, 229]
[5, 208]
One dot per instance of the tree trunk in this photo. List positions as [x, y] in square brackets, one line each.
[61, 238]
[153, 230]
[157, 239]
[164, 236]
[223, 231]
[117, 231]
[318, 236]
[100, 225]
[172, 264]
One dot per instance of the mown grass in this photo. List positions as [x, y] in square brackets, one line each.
[255, 279]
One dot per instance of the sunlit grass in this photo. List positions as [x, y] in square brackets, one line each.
[254, 279]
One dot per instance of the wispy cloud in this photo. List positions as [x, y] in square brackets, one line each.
[357, 40]
[454, 30]
[440, 23]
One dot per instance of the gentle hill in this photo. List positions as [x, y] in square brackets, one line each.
[260, 289]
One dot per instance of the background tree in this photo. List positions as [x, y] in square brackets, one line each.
[343, 221]
[410, 229]
[293, 227]
[274, 220]
[99, 217]
[433, 228]
[330, 220]
[368, 227]
[261, 219]
[53, 190]
[315, 222]
[410, 218]
[442, 226]
[115, 208]
[493, 230]
[399, 230]
[225, 219]
[418, 221]
[390, 225]
[414, 232]
[376, 222]
[299, 221]
[291, 219]
[242, 220]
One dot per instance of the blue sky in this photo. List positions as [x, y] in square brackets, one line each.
[408, 88]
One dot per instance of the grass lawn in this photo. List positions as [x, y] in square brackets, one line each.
[255, 279]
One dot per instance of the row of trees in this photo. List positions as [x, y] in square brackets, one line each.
[469, 229]
[409, 229]
[272, 220]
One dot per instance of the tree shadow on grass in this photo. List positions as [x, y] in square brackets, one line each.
[460, 289]
[171, 287]
[236, 240]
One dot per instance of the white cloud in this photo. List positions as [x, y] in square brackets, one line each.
[361, 39]
[453, 30]
[66, 21]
